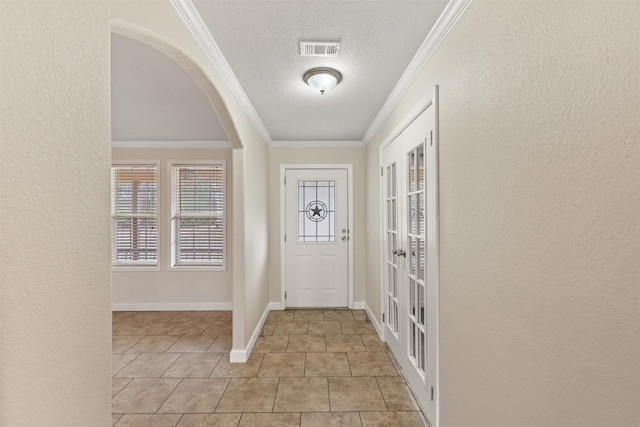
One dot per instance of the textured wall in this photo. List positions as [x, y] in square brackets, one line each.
[54, 214]
[539, 213]
[256, 220]
[166, 286]
[355, 156]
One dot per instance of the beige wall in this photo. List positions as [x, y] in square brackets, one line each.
[354, 156]
[166, 287]
[54, 214]
[539, 213]
[255, 165]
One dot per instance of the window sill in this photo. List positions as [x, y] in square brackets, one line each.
[135, 268]
[214, 268]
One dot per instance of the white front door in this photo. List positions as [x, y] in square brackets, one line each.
[316, 238]
[409, 206]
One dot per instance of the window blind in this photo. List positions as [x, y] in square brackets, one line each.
[134, 214]
[197, 214]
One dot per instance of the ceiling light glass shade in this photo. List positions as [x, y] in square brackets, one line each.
[322, 79]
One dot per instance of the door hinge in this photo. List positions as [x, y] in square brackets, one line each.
[285, 238]
[431, 138]
[285, 297]
[382, 317]
[432, 393]
[285, 180]
[381, 171]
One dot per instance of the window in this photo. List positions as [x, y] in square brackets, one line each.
[134, 214]
[197, 215]
[316, 211]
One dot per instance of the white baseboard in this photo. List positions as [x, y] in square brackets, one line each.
[242, 355]
[238, 356]
[181, 306]
[358, 305]
[275, 306]
[374, 321]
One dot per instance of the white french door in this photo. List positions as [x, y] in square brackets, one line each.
[316, 270]
[410, 257]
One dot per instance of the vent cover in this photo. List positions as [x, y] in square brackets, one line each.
[323, 49]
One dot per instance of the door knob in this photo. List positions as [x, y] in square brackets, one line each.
[344, 238]
[399, 252]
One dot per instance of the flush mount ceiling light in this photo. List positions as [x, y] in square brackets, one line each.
[322, 79]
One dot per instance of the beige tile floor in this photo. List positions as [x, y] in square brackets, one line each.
[311, 368]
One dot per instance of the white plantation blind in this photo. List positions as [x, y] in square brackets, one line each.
[197, 214]
[134, 214]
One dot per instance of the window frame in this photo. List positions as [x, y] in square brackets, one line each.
[171, 257]
[129, 266]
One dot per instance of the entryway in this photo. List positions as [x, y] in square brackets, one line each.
[410, 253]
[316, 226]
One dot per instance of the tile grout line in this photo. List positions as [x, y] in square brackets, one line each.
[222, 395]
[215, 366]
[123, 387]
[349, 363]
[329, 394]
[128, 363]
[169, 395]
[382, 394]
[210, 345]
[275, 396]
[172, 363]
[125, 350]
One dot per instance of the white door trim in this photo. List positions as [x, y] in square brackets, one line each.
[424, 103]
[283, 260]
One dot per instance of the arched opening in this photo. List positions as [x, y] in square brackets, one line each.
[215, 317]
[157, 42]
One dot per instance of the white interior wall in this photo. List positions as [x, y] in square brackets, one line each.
[255, 301]
[539, 213]
[313, 155]
[55, 320]
[173, 289]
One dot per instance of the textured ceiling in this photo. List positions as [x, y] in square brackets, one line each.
[154, 99]
[259, 39]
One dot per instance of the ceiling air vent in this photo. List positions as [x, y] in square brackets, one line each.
[323, 49]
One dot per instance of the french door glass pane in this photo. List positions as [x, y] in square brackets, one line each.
[420, 156]
[394, 187]
[412, 214]
[316, 211]
[420, 256]
[420, 214]
[422, 351]
[412, 172]
[392, 246]
[415, 239]
[421, 306]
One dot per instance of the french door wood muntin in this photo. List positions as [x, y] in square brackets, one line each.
[409, 251]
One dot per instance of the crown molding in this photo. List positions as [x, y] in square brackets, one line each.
[447, 20]
[317, 144]
[190, 16]
[170, 144]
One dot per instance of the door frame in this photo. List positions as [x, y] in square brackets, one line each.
[283, 259]
[426, 102]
